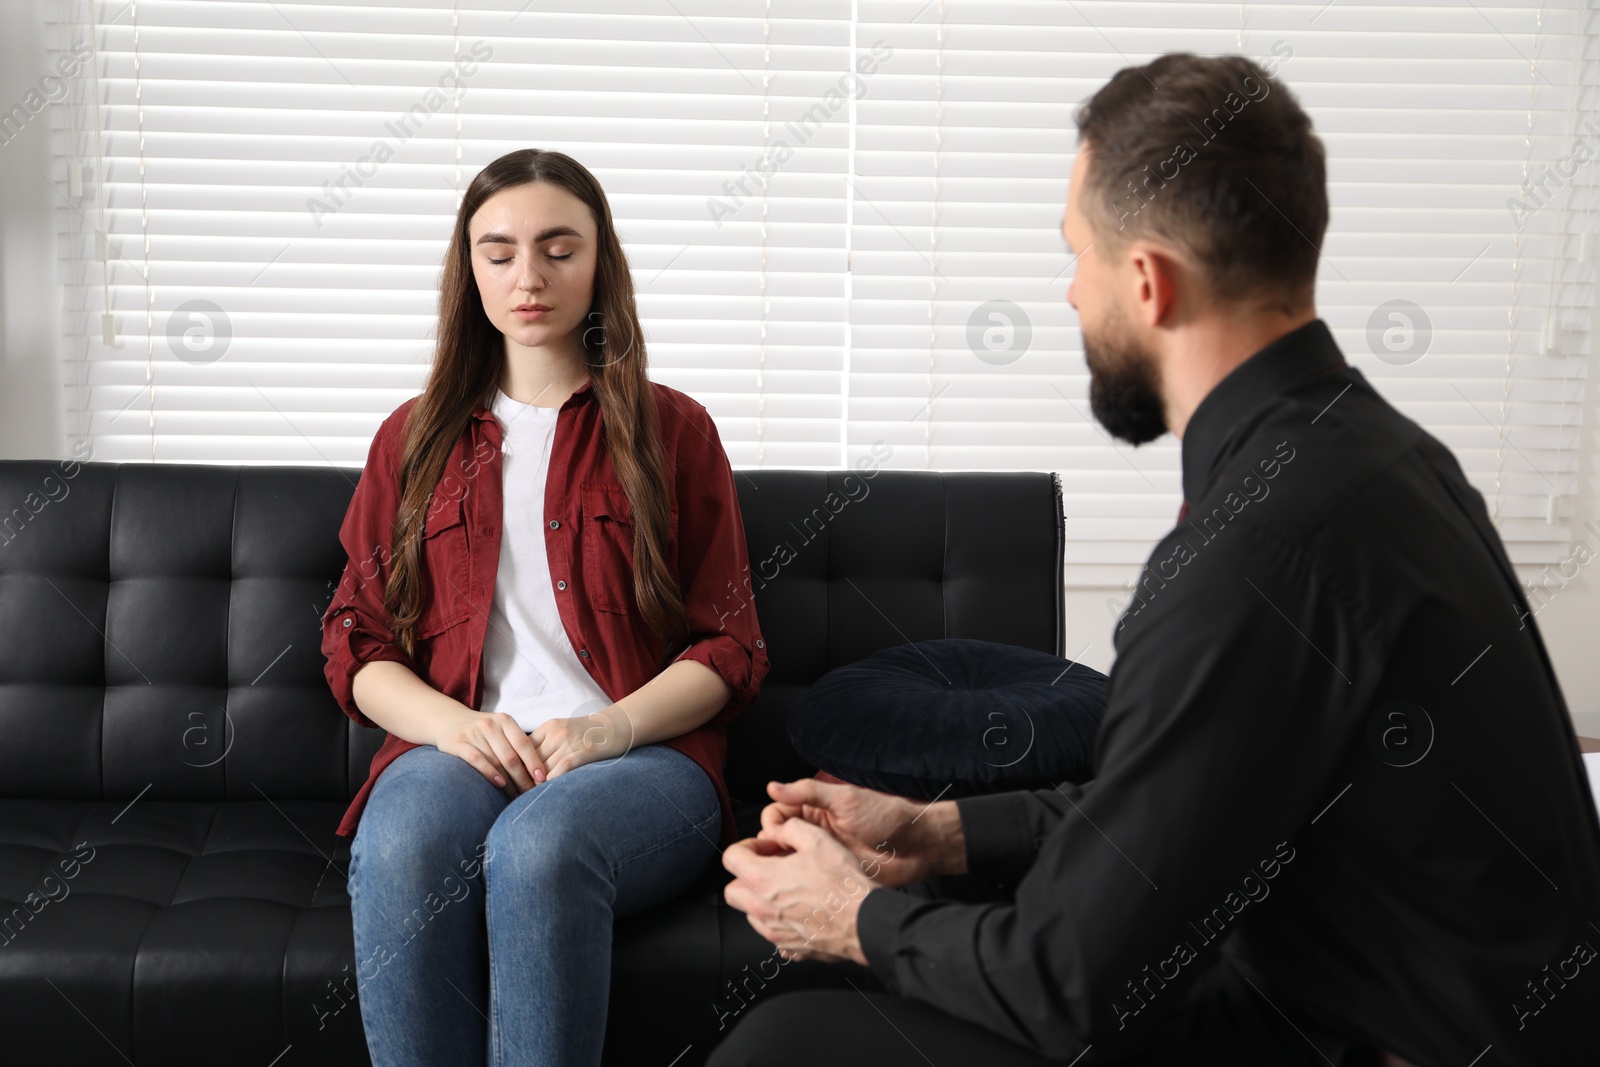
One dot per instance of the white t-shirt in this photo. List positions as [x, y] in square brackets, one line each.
[530, 670]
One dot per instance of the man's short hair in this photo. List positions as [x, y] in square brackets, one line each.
[1211, 155]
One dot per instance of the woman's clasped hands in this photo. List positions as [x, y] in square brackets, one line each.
[516, 761]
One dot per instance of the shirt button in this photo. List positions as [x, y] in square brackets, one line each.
[760, 643]
[561, 585]
[584, 652]
[488, 531]
[347, 620]
[555, 524]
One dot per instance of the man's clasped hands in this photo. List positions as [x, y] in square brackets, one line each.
[821, 849]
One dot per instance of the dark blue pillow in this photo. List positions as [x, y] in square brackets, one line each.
[952, 717]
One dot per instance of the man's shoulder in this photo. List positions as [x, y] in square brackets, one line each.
[1309, 495]
[1313, 462]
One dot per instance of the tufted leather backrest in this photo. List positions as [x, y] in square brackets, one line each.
[844, 565]
[160, 624]
[160, 630]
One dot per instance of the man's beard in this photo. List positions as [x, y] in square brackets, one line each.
[1124, 390]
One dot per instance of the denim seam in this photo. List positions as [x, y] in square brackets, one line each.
[697, 828]
[495, 1057]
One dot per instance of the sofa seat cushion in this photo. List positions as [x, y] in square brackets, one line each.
[157, 929]
[163, 931]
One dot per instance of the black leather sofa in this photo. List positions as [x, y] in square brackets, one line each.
[172, 765]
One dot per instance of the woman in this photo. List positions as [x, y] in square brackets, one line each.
[541, 608]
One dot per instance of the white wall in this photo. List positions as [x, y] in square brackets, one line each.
[30, 377]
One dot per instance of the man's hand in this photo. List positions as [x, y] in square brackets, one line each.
[800, 889]
[895, 840]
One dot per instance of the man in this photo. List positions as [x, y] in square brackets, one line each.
[1339, 814]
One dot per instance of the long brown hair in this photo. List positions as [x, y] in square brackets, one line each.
[469, 360]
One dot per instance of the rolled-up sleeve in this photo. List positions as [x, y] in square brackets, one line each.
[714, 568]
[355, 624]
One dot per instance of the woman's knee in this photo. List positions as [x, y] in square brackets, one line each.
[427, 819]
[592, 823]
[549, 834]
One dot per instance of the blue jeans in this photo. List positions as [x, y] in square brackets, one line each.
[483, 924]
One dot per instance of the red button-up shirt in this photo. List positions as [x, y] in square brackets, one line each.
[589, 538]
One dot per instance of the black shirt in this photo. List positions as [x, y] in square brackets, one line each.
[1335, 758]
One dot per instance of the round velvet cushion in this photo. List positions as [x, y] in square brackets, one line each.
[952, 717]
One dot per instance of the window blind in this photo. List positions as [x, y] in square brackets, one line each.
[281, 179]
[842, 219]
[1471, 318]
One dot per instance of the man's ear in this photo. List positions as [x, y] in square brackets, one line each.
[1154, 272]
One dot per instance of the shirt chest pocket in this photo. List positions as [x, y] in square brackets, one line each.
[444, 556]
[608, 531]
